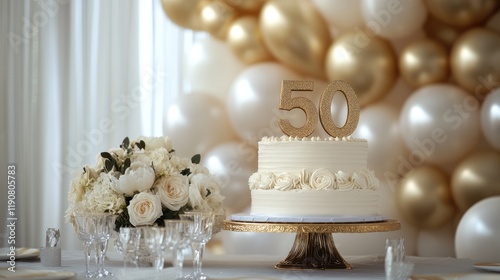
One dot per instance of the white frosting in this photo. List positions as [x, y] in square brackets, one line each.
[313, 176]
[314, 203]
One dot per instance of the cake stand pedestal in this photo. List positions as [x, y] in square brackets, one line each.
[313, 247]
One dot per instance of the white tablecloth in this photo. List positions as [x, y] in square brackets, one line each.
[246, 267]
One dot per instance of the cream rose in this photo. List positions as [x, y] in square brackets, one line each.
[322, 179]
[144, 209]
[137, 178]
[344, 181]
[262, 181]
[153, 143]
[173, 191]
[286, 181]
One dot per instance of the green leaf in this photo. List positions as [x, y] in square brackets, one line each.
[196, 159]
[125, 143]
[186, 172]
[125, 165]
[141, 145]
[109, 165]
[107, 155]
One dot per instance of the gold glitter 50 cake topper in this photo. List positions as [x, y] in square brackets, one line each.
[287, 102]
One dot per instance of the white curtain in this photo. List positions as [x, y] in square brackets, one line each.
[76, 77]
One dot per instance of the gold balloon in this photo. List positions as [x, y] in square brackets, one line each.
[441, 32]
[185, 13]
[494, 22]
[296, 34]
[424, 198]
[246, 5]
[475, 178]
[423, 62]
[475, 61]
[245, 40]
[461, 13]
[368, 64]
[216, 18]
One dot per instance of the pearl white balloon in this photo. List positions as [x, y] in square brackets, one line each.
[379, 125]
[341, 14]
[438, 242]
[232, 163]
[196, 123]
[478, 231]
[393, 19]
[490, 118]
[253, 99]
[439, 124]
[211, 67]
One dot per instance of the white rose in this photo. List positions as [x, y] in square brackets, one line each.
[322, 179]
[195, 199]
[144, 209]
[205, 183]
[153, 143]
[344, 181]
[137, 178]
[304, 179]
[365, 179]
[262, 181]
[173, 191]
[286, 181]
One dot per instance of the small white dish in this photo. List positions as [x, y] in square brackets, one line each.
[21, 253]
[495, 267]
[32, 274]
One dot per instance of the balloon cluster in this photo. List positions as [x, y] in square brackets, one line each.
[426, 73]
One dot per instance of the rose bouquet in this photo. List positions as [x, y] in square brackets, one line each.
[143, 182]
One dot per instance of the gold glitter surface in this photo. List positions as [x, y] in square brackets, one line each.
[352, 106]
[288, 103]
[389, 225]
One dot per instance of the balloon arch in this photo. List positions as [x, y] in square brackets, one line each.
[426, 73]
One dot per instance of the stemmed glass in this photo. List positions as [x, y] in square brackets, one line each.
[179, 239]
[130, 239]
[155, 239]
[84, 225]
[200, 234]
[104, 227]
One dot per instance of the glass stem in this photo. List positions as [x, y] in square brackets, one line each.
[159, 261]
[198, 248]
[87, 257]
[100, 256]
[178, 258]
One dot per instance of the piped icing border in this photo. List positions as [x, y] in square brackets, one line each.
[285, 138]
[320, 179]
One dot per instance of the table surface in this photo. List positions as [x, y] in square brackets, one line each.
[246, 267]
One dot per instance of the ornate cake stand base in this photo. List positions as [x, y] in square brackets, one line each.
[313, 251]
[313, 247]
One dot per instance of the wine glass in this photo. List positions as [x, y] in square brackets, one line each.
[200, 234]
[84, 225]
[104, 227]
[178, 232]
[130, 239]
[156, 242]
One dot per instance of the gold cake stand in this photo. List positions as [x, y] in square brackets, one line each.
[313, 247]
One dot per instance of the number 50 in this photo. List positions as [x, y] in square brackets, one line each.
[287, 102]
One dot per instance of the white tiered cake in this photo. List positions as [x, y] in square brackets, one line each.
[313, 177]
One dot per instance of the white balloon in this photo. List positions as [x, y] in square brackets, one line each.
[379, 125]
[340, 13]
[439, 124]
[232, 163]
[478, 231]
[490, 118]
[211, 67]
[196, 123]
[438, 242]
[393, 19]
[253, 100]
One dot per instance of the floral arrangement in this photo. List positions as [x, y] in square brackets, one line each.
[143, 182]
